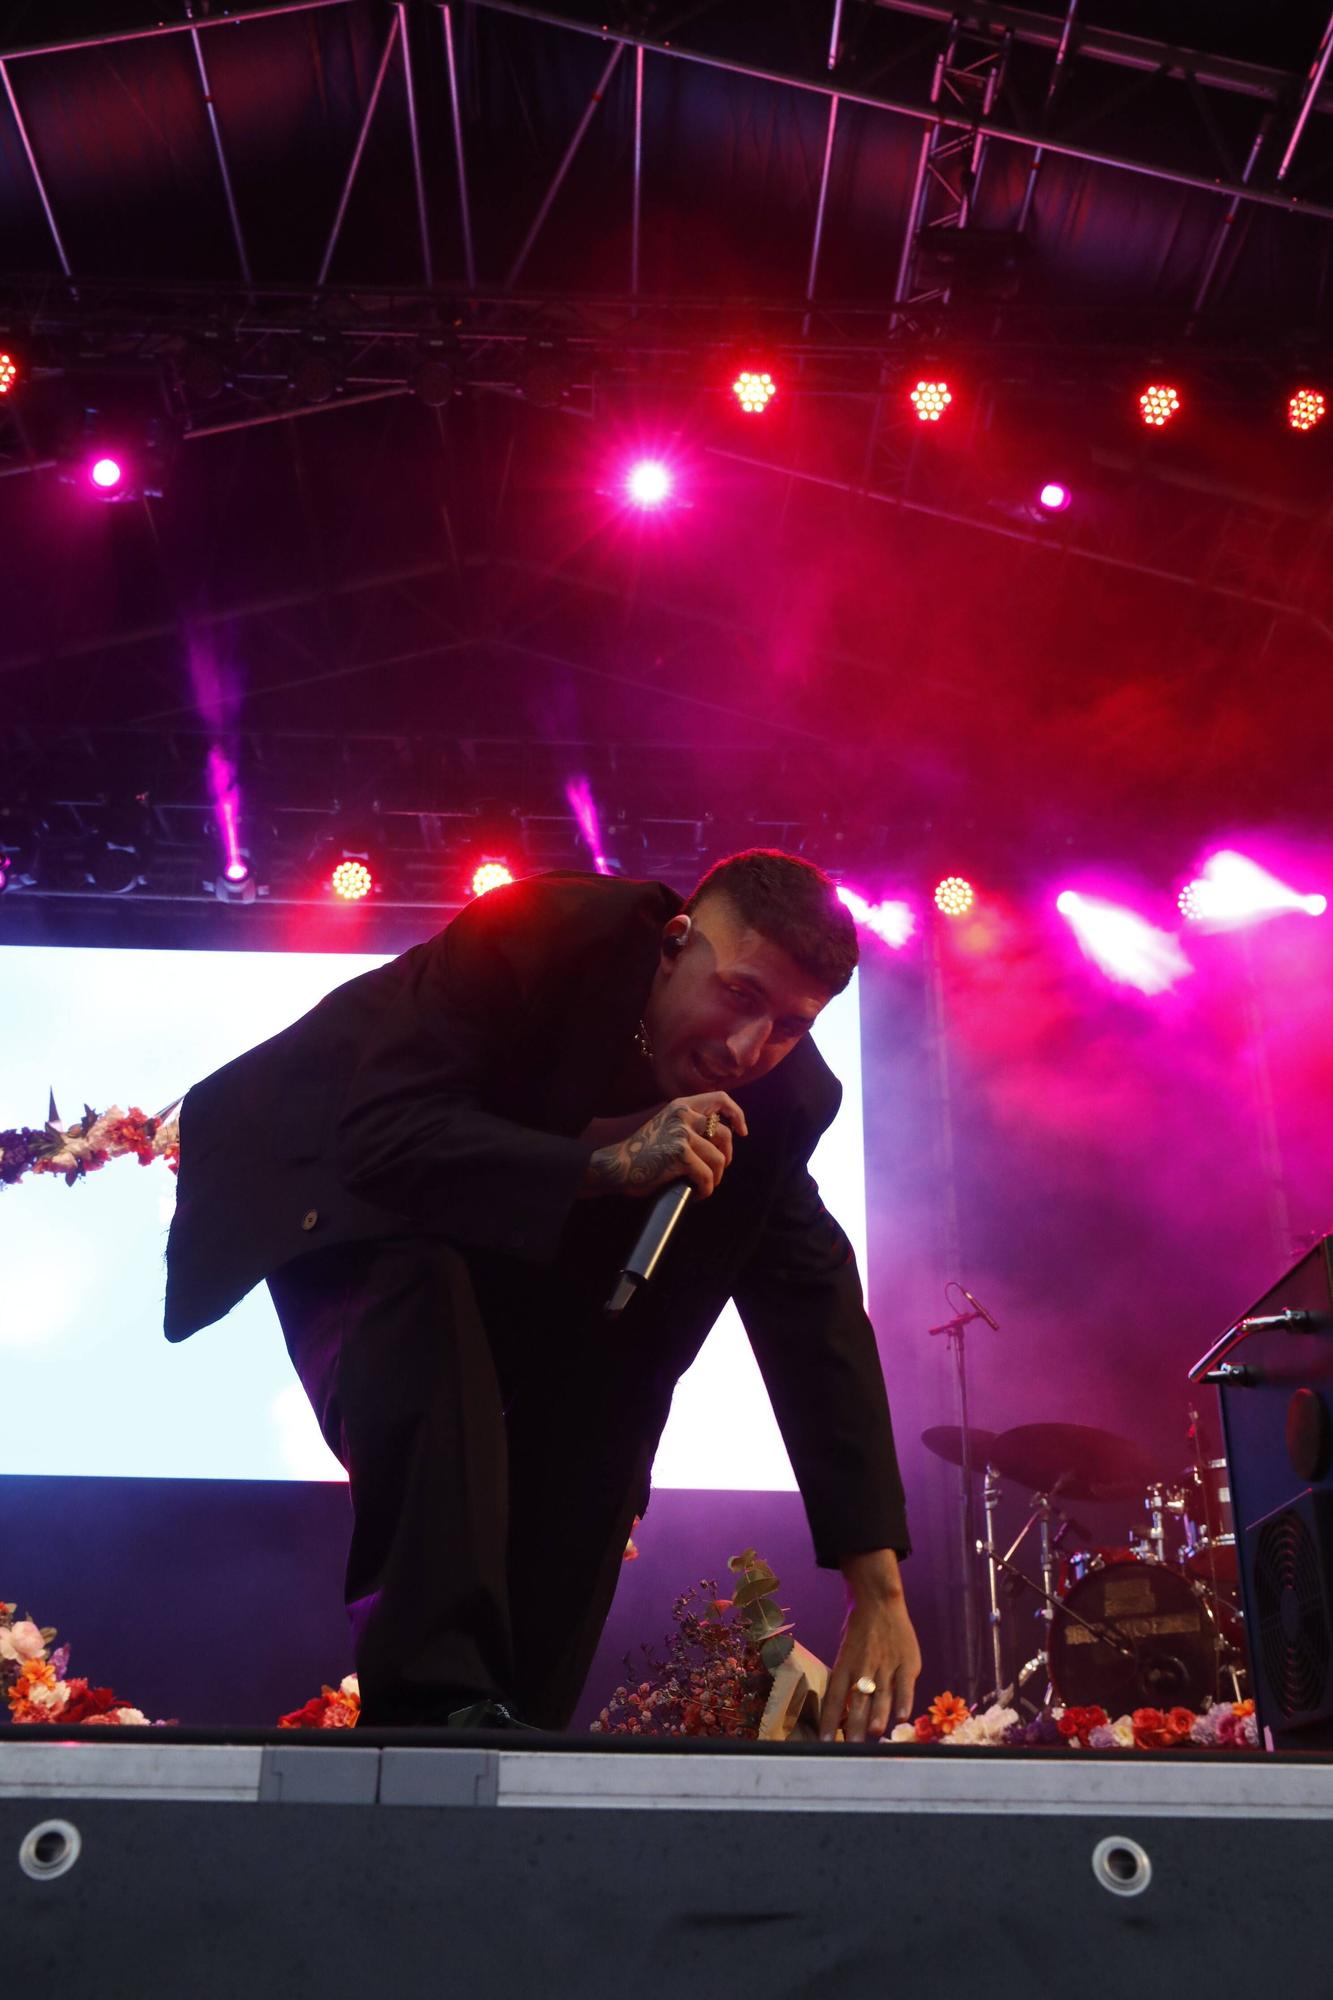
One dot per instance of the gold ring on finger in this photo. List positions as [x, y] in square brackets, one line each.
[865, 1685]
[710, 1125]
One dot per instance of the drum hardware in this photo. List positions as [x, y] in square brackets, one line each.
[1149, 1622]
[990, 1503]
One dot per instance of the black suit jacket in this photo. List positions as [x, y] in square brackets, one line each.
[443, 1094]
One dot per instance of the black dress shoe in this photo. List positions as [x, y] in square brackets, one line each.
[486, 1715]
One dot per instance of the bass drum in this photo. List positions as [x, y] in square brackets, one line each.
[1152, 1644]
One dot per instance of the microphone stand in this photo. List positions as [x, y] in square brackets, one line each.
[955, 1331]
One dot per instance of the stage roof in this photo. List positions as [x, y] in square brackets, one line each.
[400, 288]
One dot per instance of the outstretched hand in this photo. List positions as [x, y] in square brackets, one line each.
[878, 1645]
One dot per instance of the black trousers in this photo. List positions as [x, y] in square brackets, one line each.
[497, 1454]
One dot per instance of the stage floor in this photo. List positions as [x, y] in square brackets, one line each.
[286, 1865]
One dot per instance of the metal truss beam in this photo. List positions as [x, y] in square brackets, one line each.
[1060, 546]
[919, 108]
[234, 17]
[1105, 45]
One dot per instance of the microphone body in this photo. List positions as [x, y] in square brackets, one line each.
[653, 1238]
[978, 1308]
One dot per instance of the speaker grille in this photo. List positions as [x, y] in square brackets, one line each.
[1295, 1643]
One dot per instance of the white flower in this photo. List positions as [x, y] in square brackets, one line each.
[130, 1718]
[973, 1730]
[904, 1733]
[21, 1641]
[53, 1698]
[350, 1685]
[1123, 1731]
[995, 1720]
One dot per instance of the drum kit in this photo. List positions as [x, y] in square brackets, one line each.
[1151, 1622]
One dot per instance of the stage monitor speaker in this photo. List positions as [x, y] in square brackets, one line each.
[1274, 1371]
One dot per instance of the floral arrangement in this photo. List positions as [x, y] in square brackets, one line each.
[37, 1686]
[1222, 1725]
[81, 1149]
[331, 1708]
[716, 1674]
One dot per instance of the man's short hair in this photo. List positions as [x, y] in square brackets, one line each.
[791, 903]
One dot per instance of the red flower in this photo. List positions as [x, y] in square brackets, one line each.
[310, 1716]
[1079, 1723]
[926, 1730]
[87, 1704]
[1155, 1731]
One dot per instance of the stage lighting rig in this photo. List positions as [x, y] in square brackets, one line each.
[10, 372]
[351, 878]
[492, 872]
[117, 852]
[1159, 403]
[754, 389]
[114, 458]
[954, 896]
[314, 376]
[930, 399]
[1306, 408]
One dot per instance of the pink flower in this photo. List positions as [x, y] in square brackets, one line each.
[21, 1641]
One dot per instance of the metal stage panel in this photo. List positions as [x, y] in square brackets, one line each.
[298, 1868]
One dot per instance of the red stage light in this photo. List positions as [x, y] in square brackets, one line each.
[931, 400]
[1306, 409]
[754, 391]
[351, 880]
[490, 875]
[1158, 404]
[954, 896]
[9, 372]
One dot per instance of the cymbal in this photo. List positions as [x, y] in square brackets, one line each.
[1073, 1460]
[946, 1441]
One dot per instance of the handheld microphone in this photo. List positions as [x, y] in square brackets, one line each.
[977, 1307]
[656, 1233]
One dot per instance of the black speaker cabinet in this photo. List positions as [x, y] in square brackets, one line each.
[1274, 1372]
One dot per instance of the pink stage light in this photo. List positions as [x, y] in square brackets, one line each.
[1124, 946]
[648, 483]
[1054, 497]
[106, 473]
[579, 794]
[490, 874]
[891, 923]
[227, 805]
[9, 372]
[1232, 890]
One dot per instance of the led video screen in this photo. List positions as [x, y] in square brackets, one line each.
[91, 1386]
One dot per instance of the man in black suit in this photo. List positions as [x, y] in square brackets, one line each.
[464, 1138]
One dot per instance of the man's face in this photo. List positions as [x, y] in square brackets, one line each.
[729, 1007]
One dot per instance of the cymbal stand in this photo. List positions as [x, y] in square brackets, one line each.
[1051, 1604]
[991, 1501]
[1040, 1518]
[955, 1330]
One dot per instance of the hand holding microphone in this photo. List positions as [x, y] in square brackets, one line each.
[683, 1150]
[689, 1139]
